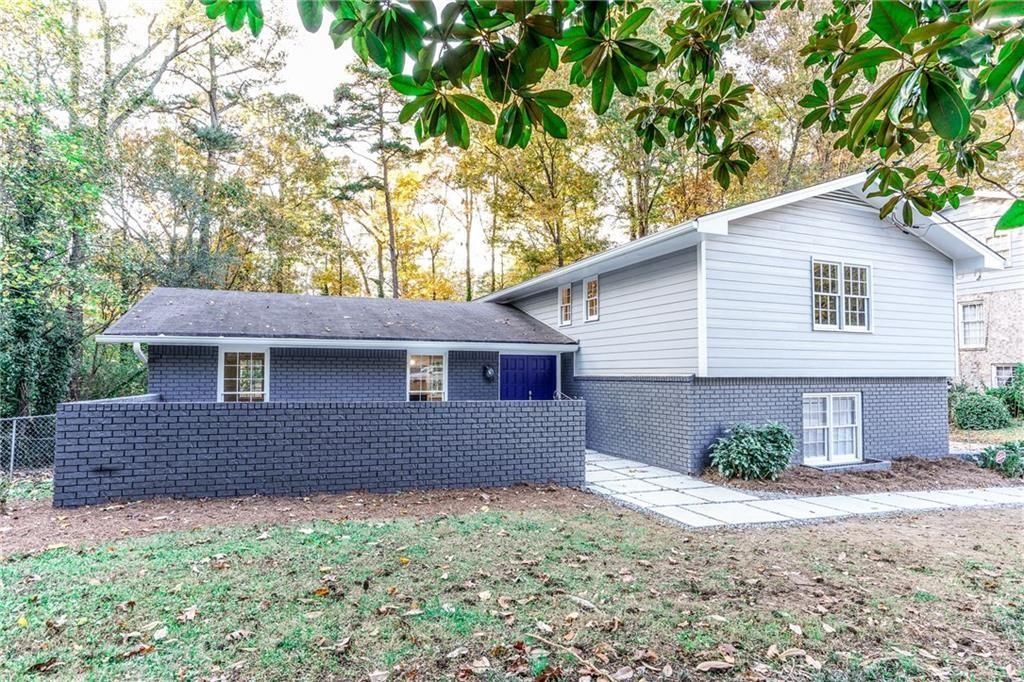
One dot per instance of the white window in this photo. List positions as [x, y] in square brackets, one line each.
[1002, 374]
[593, 299]
[832, 428]
[427, 376]
[972, 325]
[244, 376]
[565, 305]
[841, 296]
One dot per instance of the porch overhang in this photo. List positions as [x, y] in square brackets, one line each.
[362, 344]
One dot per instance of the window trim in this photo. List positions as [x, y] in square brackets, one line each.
[222, 350]
[562, 322]
[841, 312]
[984, 325]
[827, 460]
[586, 299]
[444, 388]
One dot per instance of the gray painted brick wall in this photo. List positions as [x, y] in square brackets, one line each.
[189, 373]
[336, 374]
[183, 373]
[125, 450]
[466, 376]
[671, 421]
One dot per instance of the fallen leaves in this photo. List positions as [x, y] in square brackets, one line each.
[188, 614]
[139, 649]
[713, 666]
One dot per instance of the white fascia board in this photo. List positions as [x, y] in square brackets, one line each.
[505, 347]
[658, 244]
[718, 223]
[945, 236]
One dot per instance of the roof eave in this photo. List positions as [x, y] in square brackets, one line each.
[362, 344]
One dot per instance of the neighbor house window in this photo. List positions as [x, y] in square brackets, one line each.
[972, 325]
[1002, 374]
[593, 299]
[243, 376]
[565, 305]
[832, 427]
[841, 296]
[426, 378]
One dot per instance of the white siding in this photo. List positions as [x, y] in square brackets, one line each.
[759, 296]
[648, 322]
[979, 217]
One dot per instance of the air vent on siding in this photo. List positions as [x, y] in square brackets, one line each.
[844, 197]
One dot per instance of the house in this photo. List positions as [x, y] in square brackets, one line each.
[806, 308]
[990, 304]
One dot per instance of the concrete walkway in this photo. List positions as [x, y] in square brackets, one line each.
[693, 502]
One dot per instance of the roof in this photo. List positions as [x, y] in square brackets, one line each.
[939, 232]
[203, 316]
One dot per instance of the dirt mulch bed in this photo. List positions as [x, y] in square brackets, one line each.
[912, 473]
[35, 525]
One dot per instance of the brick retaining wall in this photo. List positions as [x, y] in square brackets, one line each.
[127, 450]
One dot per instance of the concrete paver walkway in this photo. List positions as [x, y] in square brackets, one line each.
[693, 502]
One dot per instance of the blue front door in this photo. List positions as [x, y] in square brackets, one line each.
[528, 377]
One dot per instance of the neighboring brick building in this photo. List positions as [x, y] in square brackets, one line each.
[990, 305]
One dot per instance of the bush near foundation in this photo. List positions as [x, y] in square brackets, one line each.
[753, 452]
[978, 411]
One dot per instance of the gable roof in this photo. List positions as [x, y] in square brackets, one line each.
[936, 230]
[201, 316]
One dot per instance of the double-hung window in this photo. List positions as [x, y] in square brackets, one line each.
[427, 378]
[972, 325]
[565, 305]
[592, 290]
[1002, 375]
[243, 376]
[841, 296]
[831, 428]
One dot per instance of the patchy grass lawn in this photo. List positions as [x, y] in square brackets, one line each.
[990, 437]
[527, 594]
[30, 489]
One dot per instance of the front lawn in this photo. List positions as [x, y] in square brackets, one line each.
[988, 437]
[527, 594]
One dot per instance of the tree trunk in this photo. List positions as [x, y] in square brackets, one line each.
[392, 237]
[468, 204]
[380, 269]
[494, 227]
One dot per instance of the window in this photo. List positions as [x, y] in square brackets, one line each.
[832, 428]
[565, 305]
[841, 296]
[426, 378]
[243, 376]
[593, 299]
[1002, 374]
[972, 325]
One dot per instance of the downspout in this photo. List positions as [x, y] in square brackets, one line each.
[137, 349]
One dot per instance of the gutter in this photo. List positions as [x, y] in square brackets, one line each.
[137, 349]
[389, 344]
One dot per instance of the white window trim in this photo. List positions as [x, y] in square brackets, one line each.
[960, 323]
[562, 322]
[444, 389]
[827, 459]
[586, 299]
[841, 313]
[221, 350]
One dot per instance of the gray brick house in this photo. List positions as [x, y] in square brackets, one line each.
[805, 308]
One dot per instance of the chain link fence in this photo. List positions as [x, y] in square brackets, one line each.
[26, 445]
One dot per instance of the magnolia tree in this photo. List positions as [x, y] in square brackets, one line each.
[904, 84]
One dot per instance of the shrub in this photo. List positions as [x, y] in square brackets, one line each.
[979, 411]
[1013, 393]
[1007, 459]
[752, 452]
[955, 394]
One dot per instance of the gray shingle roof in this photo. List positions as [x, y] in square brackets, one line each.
[202, 312]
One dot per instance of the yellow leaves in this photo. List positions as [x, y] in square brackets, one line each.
[22, 621]
[404, 560]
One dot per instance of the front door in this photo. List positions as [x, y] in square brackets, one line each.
[528, 377]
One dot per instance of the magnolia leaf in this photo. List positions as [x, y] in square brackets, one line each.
[1014, 216]
[891, 20]
[947, 111]
[474, 108]
[312, 14]
[633, 22]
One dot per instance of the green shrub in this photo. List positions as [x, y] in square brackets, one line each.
[752, 452]
[977, 411]
[1013, 393]
[955, 394]
[1007, 459]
